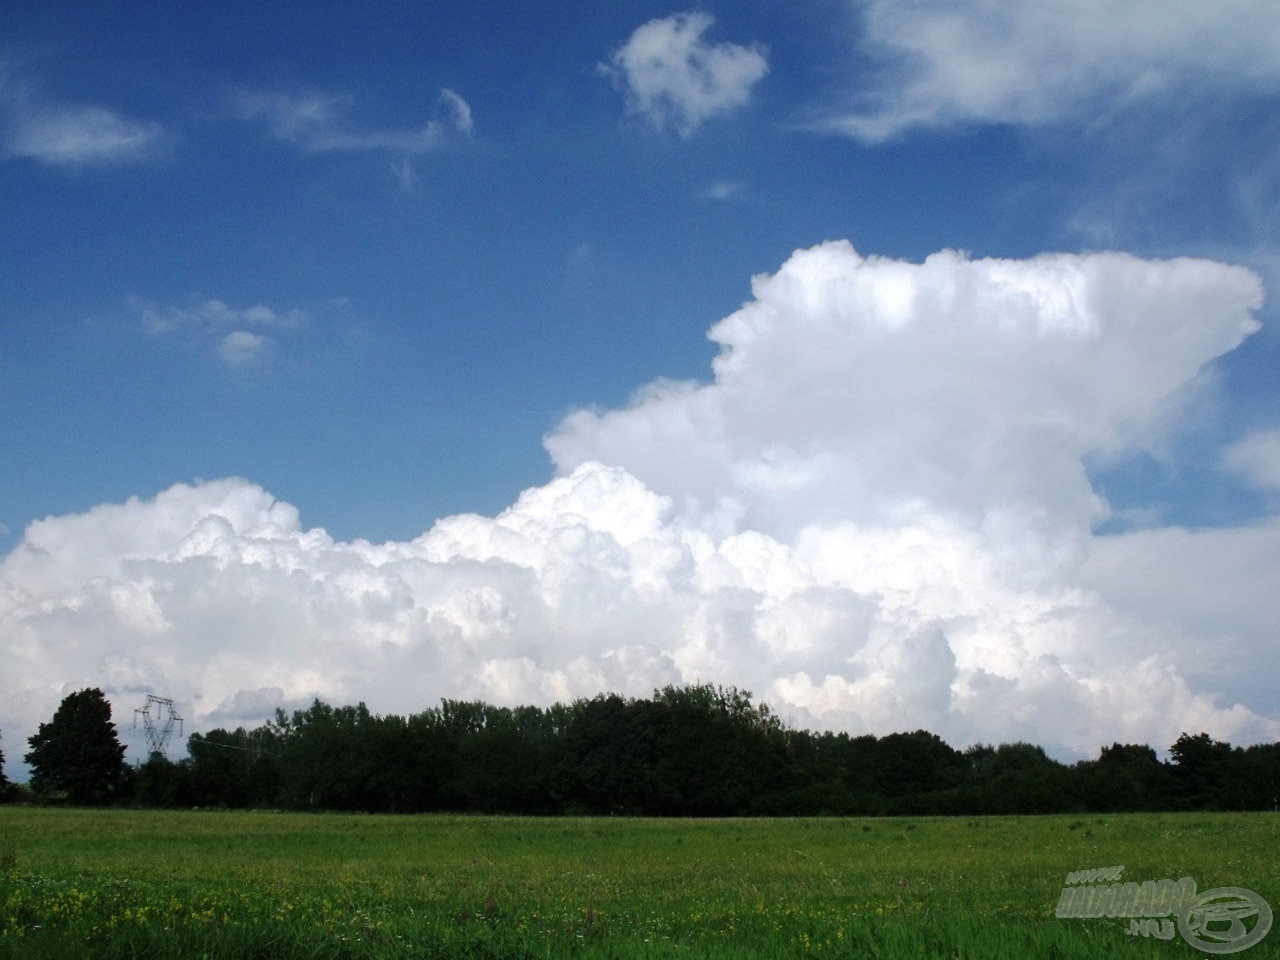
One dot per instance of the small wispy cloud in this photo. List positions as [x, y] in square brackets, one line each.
[317, 122]
[241, 347]
[672, 77]
[723, 190]
[215, 315]
[406, 175]
[81, 135]
[240, 335]
[944, 63]
[458, 109]
[70, 135]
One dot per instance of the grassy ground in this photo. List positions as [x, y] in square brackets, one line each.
[78, 883]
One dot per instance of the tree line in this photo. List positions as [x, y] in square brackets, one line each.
[699, 750]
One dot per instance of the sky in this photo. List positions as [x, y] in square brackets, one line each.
[909, 365]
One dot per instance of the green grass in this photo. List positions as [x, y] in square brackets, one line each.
[81, 883]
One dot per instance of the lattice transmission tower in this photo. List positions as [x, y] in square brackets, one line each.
[158, 720]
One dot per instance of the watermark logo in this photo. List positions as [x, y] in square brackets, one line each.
[1216, 921]
[1221, 920]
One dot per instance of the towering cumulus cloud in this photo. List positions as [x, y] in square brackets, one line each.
[875, 516]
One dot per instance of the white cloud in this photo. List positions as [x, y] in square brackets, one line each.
[405, 175]
[458, 109]
[240, 347]
[724, 190]
[673, 77]
[1256, 457]
[317, 122]
[874, 390]
[875, 517]
[72, 135]
[240, 332]
[215, 315]
[944, 62]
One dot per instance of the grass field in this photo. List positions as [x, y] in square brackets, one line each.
[82, 883]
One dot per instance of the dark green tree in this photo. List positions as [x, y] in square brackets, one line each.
[332, 759]
[608, 757]
[77, 753]
[234, 768]
[1260, 772]
[908, 767]
[1126, 776]
[159, 782]
[716, 753]
[4, 781]
[1024, 779]
[1202, 772]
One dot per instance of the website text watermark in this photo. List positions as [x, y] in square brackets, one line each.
[1221, 920]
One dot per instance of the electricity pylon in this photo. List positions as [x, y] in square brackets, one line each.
[158, 720]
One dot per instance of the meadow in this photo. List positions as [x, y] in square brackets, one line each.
[209, 884]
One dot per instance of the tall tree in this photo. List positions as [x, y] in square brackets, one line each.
[78, 752]
[1202, 768]
[237, 768]
[1126, 776]
[4, 781]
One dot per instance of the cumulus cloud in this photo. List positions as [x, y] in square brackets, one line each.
[943, 62]
[672, 77]
[317, 122]
[877, 391]
[874, 516]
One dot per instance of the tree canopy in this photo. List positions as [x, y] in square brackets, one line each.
[685, 751]
[77, 753]
[698, 750]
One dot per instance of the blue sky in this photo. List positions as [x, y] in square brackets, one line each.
[367, 259]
